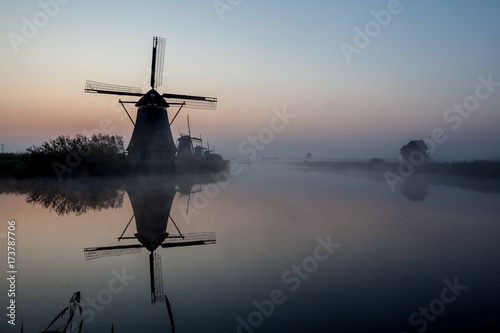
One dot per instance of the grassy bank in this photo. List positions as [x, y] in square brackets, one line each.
[22, 166]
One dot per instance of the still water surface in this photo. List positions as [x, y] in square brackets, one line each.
[287, 249]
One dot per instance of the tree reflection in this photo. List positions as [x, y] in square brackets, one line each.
[415, 188]
[78, 197]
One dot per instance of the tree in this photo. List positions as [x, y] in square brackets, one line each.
[415, 151]
[78, 156]
[110, 145]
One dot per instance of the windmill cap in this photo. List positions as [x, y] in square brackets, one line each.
[184, 138]
[151, 241]
[152, 98]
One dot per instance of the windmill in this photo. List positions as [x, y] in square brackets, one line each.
[152, 213]
[185, 148]
[152, 135]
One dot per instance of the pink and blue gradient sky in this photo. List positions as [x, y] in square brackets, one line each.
[263, 55]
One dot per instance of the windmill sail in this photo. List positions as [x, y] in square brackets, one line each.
[190, 239]
[192, 102]
[156, 278]
[195, 238]
[157, 62]
[91, 253]
[113, 89]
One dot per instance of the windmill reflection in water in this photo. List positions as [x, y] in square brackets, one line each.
[151, 209]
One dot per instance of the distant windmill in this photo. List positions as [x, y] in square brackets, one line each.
[152, 136]
[185, 148]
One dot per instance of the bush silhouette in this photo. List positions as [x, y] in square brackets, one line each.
[80, 155]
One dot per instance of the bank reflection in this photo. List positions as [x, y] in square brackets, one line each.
[417, 186]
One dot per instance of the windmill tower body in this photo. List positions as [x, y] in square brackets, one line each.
[185, 148]
[198, 152]
[152, 137]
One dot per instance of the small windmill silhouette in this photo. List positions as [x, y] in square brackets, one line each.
[185, 149]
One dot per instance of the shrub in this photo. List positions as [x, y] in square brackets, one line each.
[80, 155]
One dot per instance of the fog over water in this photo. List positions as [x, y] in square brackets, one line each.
[287, 249]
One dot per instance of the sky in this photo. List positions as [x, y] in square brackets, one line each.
[336, 78]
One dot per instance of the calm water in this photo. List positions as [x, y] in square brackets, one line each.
[296, 251]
